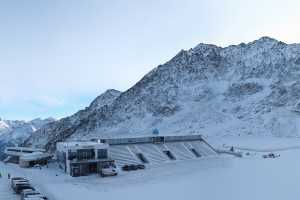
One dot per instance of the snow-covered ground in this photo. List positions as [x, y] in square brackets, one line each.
[224, 177]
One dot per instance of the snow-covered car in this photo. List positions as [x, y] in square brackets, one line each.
[16, 179]
[27, 193]
[20, 187]
[108, 171]
[19, 182]
[35, 196]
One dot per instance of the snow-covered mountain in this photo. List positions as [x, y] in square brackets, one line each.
[19, 130]
[14, 132]
[249, 88]
[61, 129]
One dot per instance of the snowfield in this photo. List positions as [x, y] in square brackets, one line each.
[215, 178]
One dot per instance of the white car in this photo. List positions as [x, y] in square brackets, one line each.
[33, 198]
[108, 171]
[27, 193]
[37, 196]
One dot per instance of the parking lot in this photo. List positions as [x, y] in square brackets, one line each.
[6, 193]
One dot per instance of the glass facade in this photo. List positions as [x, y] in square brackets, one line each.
[102, 154]
[85, 154]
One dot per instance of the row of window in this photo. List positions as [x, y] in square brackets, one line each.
[18, 150]
[88, 154]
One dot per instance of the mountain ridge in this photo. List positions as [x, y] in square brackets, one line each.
[15, 132]
[239, 89]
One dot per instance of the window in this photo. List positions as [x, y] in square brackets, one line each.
[102, 153]
[14, 150]
[158, 140]
[27, 151]
[142, 158]
[170, 155]
[71, 155]
[85, 154]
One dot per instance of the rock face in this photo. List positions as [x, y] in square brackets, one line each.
[249, 88]
[13, 132]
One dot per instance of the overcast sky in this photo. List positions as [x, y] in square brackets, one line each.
[56, 56]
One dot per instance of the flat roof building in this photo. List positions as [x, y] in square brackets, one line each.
[82, 158]
[27, 157]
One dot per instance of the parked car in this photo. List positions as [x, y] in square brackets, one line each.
[132, 167]
[13, 179]
[35, 196]
[20, 187]
[126, 168]
[271, 155]
[141, 166]
[16, 182]
[108, 171]
[28, 192]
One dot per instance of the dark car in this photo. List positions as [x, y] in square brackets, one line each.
[125, 168]
[132, 167]
[271, 155]
[141, 166]
[20, 187]
[13, 179]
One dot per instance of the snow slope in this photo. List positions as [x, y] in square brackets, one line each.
[245, 89]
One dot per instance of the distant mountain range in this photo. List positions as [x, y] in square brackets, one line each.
[245, 89]
[15, 132]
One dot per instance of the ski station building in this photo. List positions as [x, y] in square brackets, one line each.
[82, 158]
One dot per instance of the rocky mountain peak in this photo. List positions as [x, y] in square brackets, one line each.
[266, 43]
[240, 89]
[267, 39]
[105, 99]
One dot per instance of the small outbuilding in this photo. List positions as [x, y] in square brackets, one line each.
[35, 158]
[27, 157]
